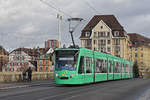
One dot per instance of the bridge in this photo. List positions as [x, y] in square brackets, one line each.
[130, 89]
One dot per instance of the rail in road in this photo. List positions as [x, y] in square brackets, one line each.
[131, 89]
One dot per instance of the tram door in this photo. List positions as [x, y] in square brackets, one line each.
[81, 71]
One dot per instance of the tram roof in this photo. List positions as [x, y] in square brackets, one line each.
[66, 49]
[91, 50]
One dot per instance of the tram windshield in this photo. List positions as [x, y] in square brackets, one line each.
[66, 59]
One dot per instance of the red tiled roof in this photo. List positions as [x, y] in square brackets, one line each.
[138, 40]
[110, 20]
[32, 52]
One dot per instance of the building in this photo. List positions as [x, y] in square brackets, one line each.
[140, 51]
[44, 63]
[22, 58]
[52, 44]
[3, 58]
[105, 34]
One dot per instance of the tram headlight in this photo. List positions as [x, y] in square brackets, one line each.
[63, 74]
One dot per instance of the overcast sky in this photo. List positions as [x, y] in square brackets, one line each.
[28, 23]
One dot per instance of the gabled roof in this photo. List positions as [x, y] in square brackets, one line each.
[138, 40]
[3, 51]
[109, 20]
[32, 52]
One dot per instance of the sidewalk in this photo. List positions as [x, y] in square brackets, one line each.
[5, 86]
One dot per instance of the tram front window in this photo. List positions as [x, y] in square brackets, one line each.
[66, 61]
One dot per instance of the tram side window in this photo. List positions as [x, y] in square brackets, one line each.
[128, 71]
[105, 66]
[101, 66]
[130, 68]
[126, 68]
[115, 67]
[88, 65]
[98, 66]
[110, 67]
[119, 67]
[81, 65]
[123, 69]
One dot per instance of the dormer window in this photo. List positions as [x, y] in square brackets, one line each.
[87, 34]
[116, 33]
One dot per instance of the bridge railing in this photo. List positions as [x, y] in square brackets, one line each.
[18, 77]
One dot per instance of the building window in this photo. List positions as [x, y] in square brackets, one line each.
[103, 49]
[108, 34]
[95, 42]
[136, 55]
[117, 49]
[88, 42]
[117, 42]
[136, 49]
[103, 42]
[116, 33]
[95, 34]
[108, 49]
[101, 27]
[41, 69]
[99, 34]
[142, 55]
[46, 62]
[102, 34]
[141, 49]
[40, 62]
[108, 42]
[46, 68]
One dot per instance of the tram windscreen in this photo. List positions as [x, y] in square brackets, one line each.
[66, 59]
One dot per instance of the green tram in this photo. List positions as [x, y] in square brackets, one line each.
[82, 66]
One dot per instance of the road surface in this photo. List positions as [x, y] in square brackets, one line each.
[131, 89]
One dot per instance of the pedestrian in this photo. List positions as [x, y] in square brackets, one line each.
[24, 75]
[29, 74]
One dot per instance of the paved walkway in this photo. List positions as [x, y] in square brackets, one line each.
[4, 86]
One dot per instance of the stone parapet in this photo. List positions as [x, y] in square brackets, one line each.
[17, 76]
